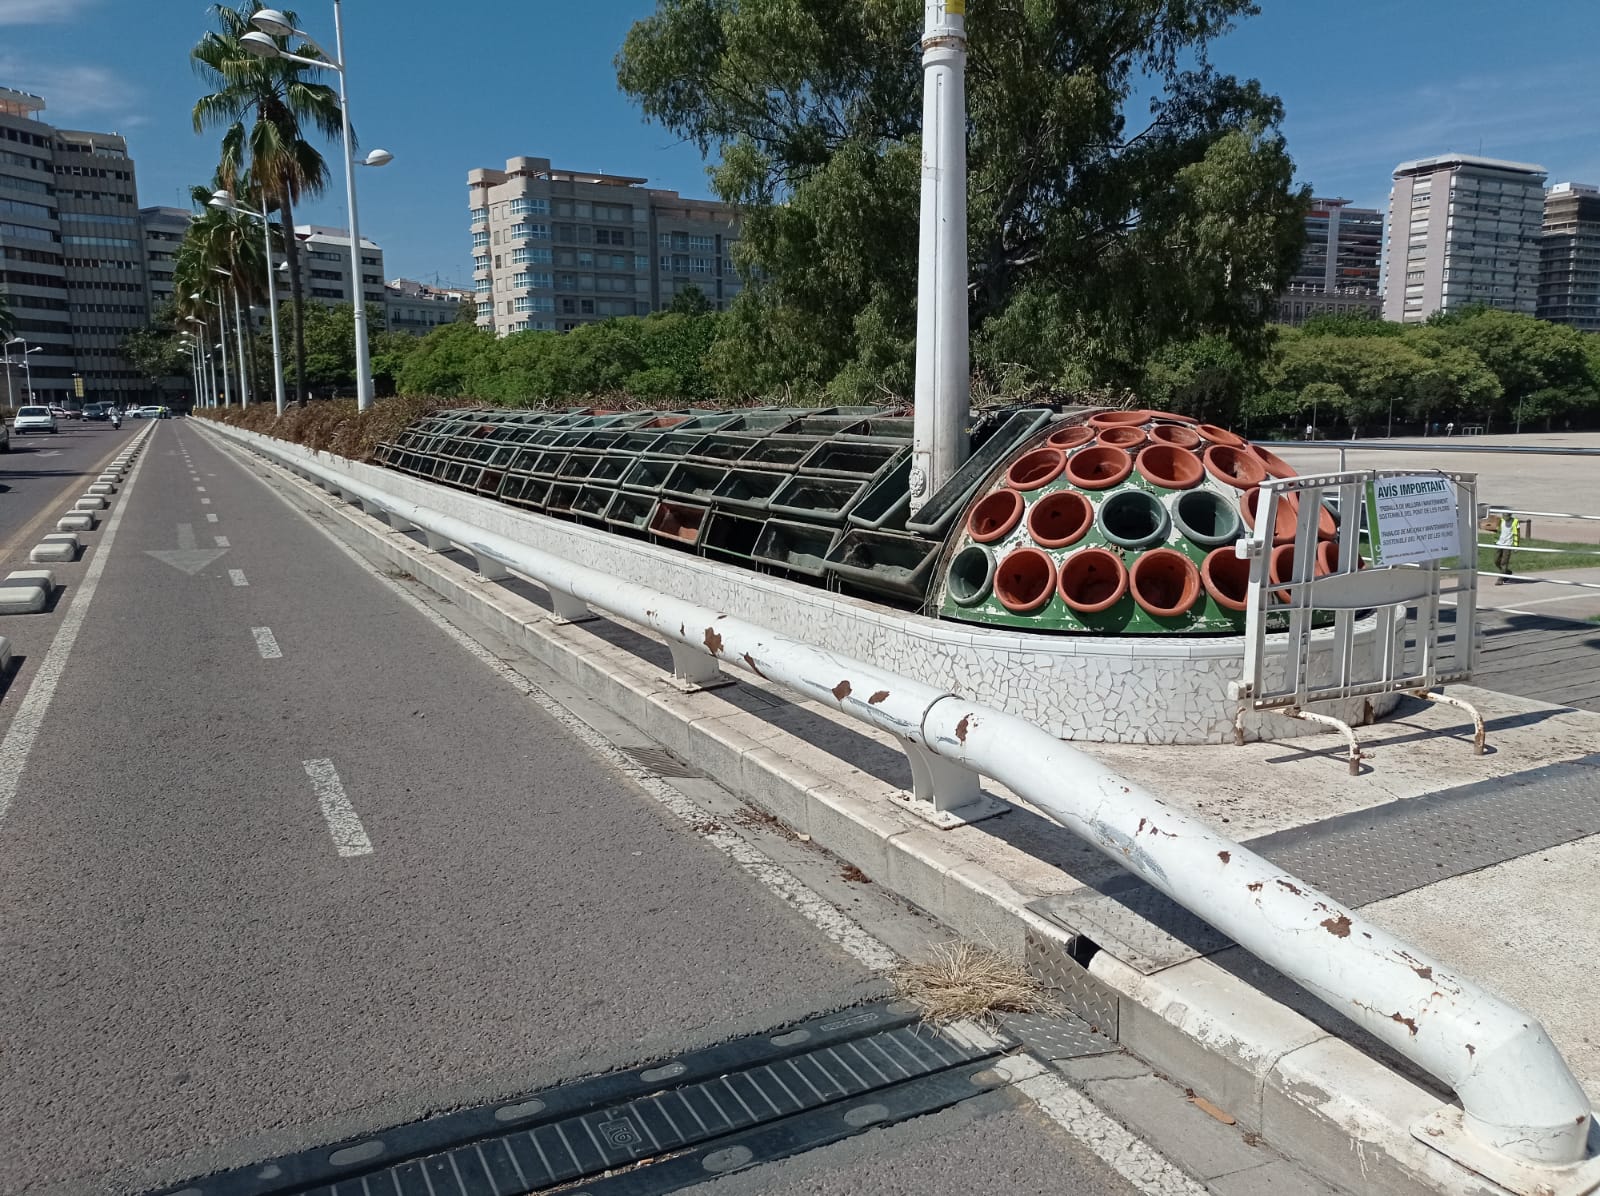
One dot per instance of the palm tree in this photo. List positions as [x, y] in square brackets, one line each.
[267, 107]
[219, 240]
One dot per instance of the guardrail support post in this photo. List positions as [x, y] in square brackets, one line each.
[944, 792]
[490, 569]
[436, 542]
[694, 670]
[568, 609]
[396, 523]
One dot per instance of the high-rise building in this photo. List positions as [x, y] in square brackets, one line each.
[1339, 266]
[72, 254]
[325, 266]
[164, 230]
[1569, 256]
[1463, 230]
[554, 248]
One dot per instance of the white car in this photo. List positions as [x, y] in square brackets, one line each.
[150, 412]
[33, 419]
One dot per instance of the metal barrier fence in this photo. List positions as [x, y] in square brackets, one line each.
[1519, 1097]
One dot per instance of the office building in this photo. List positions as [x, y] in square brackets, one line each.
[325, 266]
[555, 248]
[1339, 266]
[1463, 230]
[72, 252]
[417, 308]
[1569, 257]
[164, 230]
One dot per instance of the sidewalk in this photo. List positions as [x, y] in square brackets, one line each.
[1530, 591]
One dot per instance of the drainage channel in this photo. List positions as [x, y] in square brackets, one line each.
[656, 1129]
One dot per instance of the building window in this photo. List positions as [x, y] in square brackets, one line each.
[702, 244]
[485, 310]
[640, 262]
[480, 240]
[480, 215]
[368, 260]
[528, 255]
[700, 265]
[480, 263]
[524, 230]
[528, 206]
[586, 307]
[482, 285]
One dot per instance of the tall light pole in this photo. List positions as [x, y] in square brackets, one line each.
[222, 324]
[270, 24]
[225, 202]
[238, 336]
[209, 376]
[27, 366]
[943, 385]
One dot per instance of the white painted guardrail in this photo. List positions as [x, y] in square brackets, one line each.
[1518, 1095]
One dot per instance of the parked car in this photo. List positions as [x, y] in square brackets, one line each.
[34, 419]
[150, 412]
[59, 412]
[97, 411]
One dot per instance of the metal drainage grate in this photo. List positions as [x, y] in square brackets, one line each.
[659, 1128]
[661, 762]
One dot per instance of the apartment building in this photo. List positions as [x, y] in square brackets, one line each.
[1463, 230]
[1569, 257]
[325, 266]
[1339, 267]
[164, 230]
[417, 308]
[553, 248]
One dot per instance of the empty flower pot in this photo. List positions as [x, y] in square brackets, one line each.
[971, 575]
[1181, 419]
[677, 523]
[1071, 436]
[1283, 523]
[1123, 436]
[1134, 519]
[1059, 519]
[1206, 518]
[1180, 435]
[1170, 467]
[1276, 466]
[1025, 580]
[994, 515]
[1281, 567]
[1165, 583]
[1226, 578]
[1215, 435]
[1237, 467]
[1092, 580]
[1099, 467]
[1036, 468]
[1114, 419]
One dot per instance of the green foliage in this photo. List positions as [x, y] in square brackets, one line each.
[156, 350]
[1093, 242]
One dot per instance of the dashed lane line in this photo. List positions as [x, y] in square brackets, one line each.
[267, 643]
[344, 824]
[237, 577]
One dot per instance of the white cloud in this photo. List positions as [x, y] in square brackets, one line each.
[75, 94]
[38, 12]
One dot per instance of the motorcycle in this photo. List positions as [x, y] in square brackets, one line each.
[116, 422]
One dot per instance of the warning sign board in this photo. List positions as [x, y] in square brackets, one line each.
[1412, 519]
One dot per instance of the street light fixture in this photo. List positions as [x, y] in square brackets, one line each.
[270, 24]
[207, 366]
[238, 336]
[225, 202]
[222, 323]
[27, 366]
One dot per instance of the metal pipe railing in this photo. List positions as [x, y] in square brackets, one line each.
[1518, 1095]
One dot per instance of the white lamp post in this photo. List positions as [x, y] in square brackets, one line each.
[27, 366]
[207, 366]
[270, 24]
[238, 337]
[943, 383]
[225, 202]
[222, 322]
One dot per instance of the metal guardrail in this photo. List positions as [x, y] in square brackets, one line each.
[1519, 1097]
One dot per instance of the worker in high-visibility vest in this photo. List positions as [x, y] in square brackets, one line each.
[1510, 536]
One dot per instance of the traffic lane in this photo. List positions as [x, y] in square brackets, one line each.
[999, 1144]
[195, 962]
[41, 467]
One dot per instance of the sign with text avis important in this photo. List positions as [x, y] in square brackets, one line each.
[1412, 519]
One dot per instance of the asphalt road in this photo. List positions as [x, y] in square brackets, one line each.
[285, 864]
[43, 470]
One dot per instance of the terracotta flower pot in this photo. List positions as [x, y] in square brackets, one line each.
[1174, 417]
[1092, 580]
[1170, 467]
[1165, 583]
[1215, 435]
[1118, 419]
[1226, 578]
[971, 575]
[1037, 468]
[994, 515]
[1099, 467]
[1060, 518]
[1025, 580]
[1071, 436]
[1283, 525]
[1176, 434]
[1122, 436]
[1281, 569]
[1276, 466]
[1236, 467]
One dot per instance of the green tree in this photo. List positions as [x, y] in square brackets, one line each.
[1092, 241]
[1542, 368]
[452, 360]
[281, 106]
[690, 301]
[218, 241]
[156, 350]
[1208, 378]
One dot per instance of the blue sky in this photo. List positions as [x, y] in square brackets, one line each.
[448, 87]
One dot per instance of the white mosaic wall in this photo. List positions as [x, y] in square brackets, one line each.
[1168, 690]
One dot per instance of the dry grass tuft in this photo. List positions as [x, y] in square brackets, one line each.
[961, 980]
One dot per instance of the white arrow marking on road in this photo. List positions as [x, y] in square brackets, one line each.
[187, 558]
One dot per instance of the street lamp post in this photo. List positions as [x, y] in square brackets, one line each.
[208, 374]
[27, 366]
[227, 203]
[238, 337]
[222, 324]
[270, 24]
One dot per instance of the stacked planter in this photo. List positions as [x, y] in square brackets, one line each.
[1118, 523]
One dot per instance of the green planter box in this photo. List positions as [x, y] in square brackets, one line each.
[864, 459]
[817, 500]
[693, 482]
[748, 489]
[884, 562]
[630, 512]
[799, 548]
[729, 536]
[940, 511]
[887, 503]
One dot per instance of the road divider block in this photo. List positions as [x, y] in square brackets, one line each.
[26, 591]
[90, 502]
[102, 488]
[5, 654]
[78, 521]
[54, 552]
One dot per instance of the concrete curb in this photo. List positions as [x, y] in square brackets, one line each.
[1343, 1114]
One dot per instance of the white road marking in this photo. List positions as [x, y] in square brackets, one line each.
[199, 489]
[19, 740]
[211, 518]
[349, 836]
[223, 542]
[266, 643]
[237, 577]
[205, 502]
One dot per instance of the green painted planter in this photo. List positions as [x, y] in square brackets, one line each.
[890, 563]
[748, 490]
[630, 512]
[692, 482]
[798, 548]
[864, 459]
[887, 502]
[730, 536]
[815, 499]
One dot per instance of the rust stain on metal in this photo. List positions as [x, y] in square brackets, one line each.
[1254, 886]
[1293, 888]
[1225, 856]
[1338, 927]
[961, 728]
[1472, 1050]
[754, 668]
[1139, 830]
[842, 690]
[1410, 1023]
[881, 696]
[713, 641]
[1425, 972]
